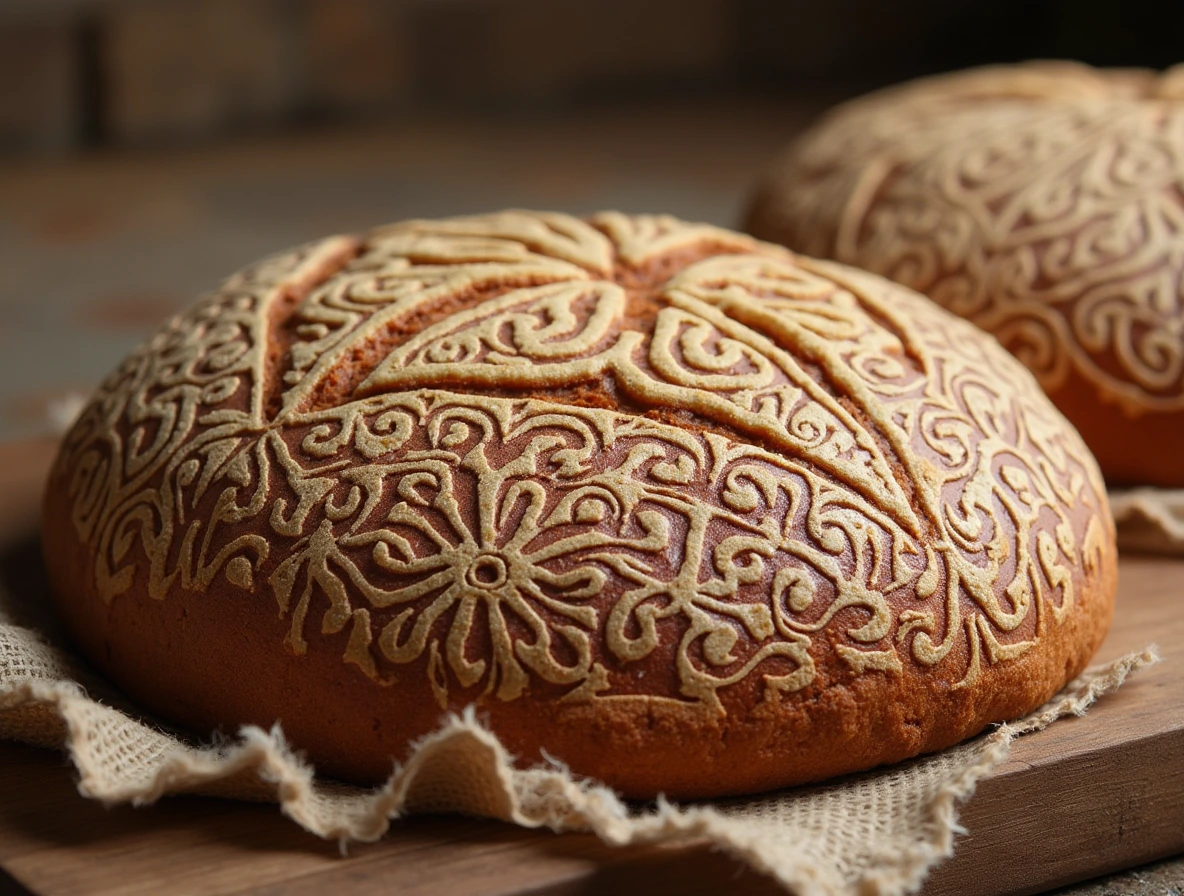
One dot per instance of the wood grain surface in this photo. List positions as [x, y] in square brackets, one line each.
[1082, 798]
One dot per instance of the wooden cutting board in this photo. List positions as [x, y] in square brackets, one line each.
[1077, 800]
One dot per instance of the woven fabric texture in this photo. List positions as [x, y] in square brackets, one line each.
[877, 833]
[1149, 519]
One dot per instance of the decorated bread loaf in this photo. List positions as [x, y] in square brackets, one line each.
[1045, 202]
[680, 509]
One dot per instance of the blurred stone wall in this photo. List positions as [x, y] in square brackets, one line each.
[123, 72]
[133, 71]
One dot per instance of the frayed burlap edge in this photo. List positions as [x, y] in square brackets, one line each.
[837, 839]
[1149, 519]
[820, 841]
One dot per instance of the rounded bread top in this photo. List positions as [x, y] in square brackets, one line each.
[528, 454]
[1043, 201]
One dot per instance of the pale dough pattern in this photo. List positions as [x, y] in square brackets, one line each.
[406, 464]
[1044, 202]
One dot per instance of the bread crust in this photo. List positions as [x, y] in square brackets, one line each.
[1042, 202]
[686, 512]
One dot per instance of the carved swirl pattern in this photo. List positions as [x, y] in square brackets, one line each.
[867, 478]
[1043, 202]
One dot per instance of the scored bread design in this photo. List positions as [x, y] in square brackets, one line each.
[626, 483]
[1045, 202]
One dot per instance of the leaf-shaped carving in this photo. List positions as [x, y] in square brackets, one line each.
[449, 512]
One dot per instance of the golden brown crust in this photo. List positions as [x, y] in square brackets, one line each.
[636, 488]
[1045, 202]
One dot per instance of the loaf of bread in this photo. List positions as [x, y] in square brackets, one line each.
[684, 511]
[1045, 202]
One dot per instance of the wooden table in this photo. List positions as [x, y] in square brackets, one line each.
[1082, 798]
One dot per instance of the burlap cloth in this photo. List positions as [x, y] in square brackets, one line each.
[877, 833]
[1149, 519]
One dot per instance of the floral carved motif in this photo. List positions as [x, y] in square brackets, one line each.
[861, 476]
